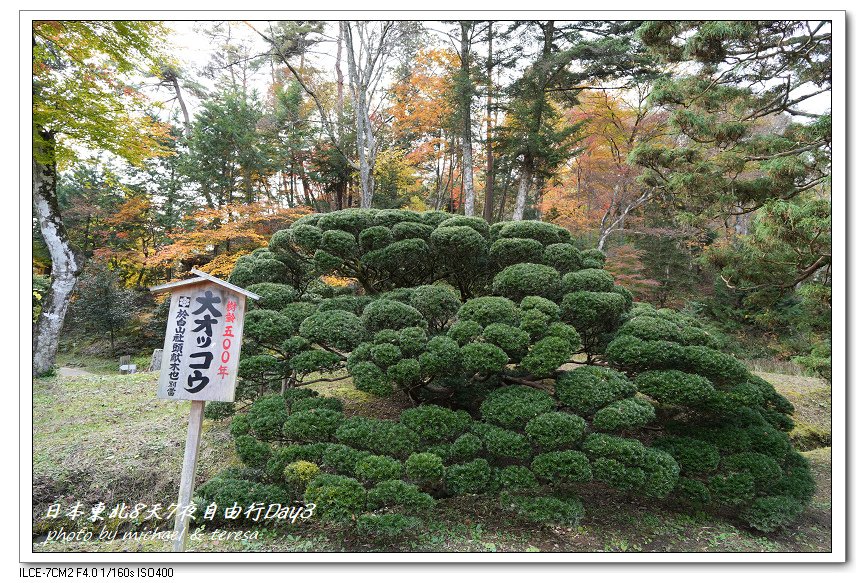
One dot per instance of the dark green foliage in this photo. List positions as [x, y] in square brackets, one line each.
[268, 327]
[762, 468]
[227, 491]
[375, 238]
[512, 340]
[692, 492]
[772, 512]
[313, 425]
[547, 307]
[662, 473]
[490, 310]
[282, 456]
[587, 389]
[513, 406]
[501, 443]
[468, 478]
[628, 451]
[545, 233]
[563, 256]
[386, 526]
[336, 498]
[438, 304]
[562, 467]
[435, 424]
[528, 279]
[635, 355]
[388, 314]
[412, 341]
[252, 452]
[274, 296]
[465, 447]
[217, 410]
[378, 468]
[675, 387]
[546, 356]
[342, 458]
[618, 475]
[385, 355]
[396, 493]
[378, 436]
[512, 251]
[544, 509]
[417, 318]
[424, 468]
[624, 414]
[308, 403]
[315, 360]
[405, 373]
[465, 331]
[239, 425]
[556, 430]
[732, 490]
[515, 478]
[266, 417]
[370, 379]
[592, 280]
[483, 358]
[715, 365]
[694, 457]
[334, 328]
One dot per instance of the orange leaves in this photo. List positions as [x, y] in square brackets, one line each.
[222, 233]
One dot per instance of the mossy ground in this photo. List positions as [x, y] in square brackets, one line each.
[106, 437]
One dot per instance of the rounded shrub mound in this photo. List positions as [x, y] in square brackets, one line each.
[519, 368]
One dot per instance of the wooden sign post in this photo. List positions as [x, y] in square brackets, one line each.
[199, 363]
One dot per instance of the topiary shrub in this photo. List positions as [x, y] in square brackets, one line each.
[468, 478]
[524, 368]
[513, 406]
[544, 509]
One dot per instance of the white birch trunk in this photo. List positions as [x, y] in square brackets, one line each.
[522, 192]
[64, 267]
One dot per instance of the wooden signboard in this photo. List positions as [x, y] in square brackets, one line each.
[199, 362]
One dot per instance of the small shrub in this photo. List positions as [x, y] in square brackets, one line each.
[266, 417]
[734, 489]
[218, 410]
[489, 310]
[336, 498]
[544, 509]
[309, 403]
[694, 457]
[528, 279]
[252, 452]
[502, 443]
[378, 468]
[386, 526]
[562, 467]
[300, 473]
[465, 447]
[588, 389]
[624, 414]
[770, 513]
[483, 358]
[435, 424]
[557, 430]
[468, 478]
[424, 468]
[312, 425]
[342, 458]
[239, 425]
[546, 356]
[396, 493]
[590, 280]
[513, 406]
[515, 478]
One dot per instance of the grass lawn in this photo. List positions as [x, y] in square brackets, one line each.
[107, 438]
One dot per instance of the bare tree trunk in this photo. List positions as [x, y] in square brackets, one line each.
[522, 191]
[65, 266]
[490, 177]
[466, 106]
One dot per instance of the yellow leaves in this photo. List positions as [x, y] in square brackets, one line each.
[222, 265]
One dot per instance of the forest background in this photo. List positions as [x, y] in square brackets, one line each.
[695, 155]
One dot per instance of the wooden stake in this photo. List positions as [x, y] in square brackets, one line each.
[187, 477]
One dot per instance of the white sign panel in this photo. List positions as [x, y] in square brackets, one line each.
[202, 343]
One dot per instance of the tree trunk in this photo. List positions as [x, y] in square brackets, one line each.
[466, 107]
[522, 191]
[65, 267]
[490, 177]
